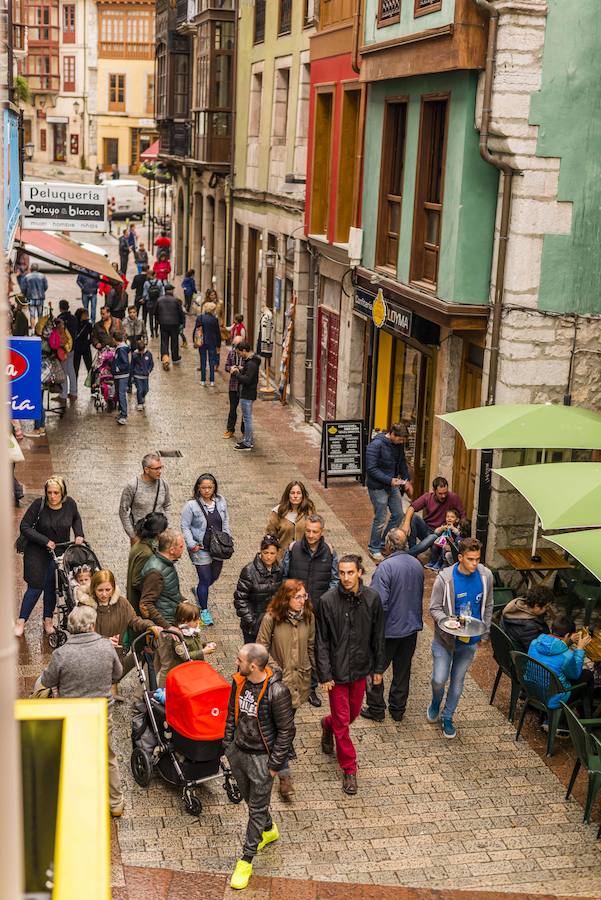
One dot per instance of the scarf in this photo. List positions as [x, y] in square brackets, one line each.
[294, 617]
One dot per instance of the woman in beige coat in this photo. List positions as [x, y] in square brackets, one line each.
[288, 633]
[288, 518]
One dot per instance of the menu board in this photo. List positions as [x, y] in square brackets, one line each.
[342, 449]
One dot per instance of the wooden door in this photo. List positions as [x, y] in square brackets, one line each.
[464, 470]
[328, 330]
[110, 153]
[252, 278]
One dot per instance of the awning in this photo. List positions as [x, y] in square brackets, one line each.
[152, 153]
[64, 252]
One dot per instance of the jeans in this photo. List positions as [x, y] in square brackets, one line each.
[421, 538]
[69, 385]
[123, 260]
[399, 652]
[233, 413]
[142, 383]
[89, 304]
[457, 664]
[170, 335]
[382, 500]
[139, 267]
[121, 387]
[210, 352]
[247, 417]
[207, 575]
[39, 423]
[115, 791]
[32, 595]
[345, 706]
[252, 776]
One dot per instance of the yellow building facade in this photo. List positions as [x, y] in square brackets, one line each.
[125, 118]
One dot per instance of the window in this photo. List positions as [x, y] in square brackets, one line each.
[302, 119]
[322, 142]
[117, 93]
[125, 33]
[349, 133]
[389, 12]
[280, 107]
[43, 144]
[68, 73]
[150, 95]
[429, 192]
[423, 7]
[259, 31]
[285, 17]
[161, 105]
[256, 93]
[180, 85]
[391, 184]
[69, 23]
[42, 22]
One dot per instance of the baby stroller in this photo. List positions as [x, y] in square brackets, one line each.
[73, 556]
[103, 385]
[182, 739]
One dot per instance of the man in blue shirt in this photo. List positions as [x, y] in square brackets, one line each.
[465, 588]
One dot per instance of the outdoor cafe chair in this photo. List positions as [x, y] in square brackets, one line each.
[539, 684]
[588, 754]
[502, 645]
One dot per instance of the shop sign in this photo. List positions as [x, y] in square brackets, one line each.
[383, 312]
[342, 449]
[12, 177]
[24, 377]
[63, 207]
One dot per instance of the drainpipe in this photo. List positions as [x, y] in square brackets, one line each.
[486, 460]
[357, 23]
[229, 300]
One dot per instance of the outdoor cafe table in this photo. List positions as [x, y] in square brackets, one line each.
[520, 559]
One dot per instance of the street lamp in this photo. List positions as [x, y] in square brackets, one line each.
[29, 148]
[76, 107]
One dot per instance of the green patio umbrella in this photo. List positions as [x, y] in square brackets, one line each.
[585, 546]
[527, 426]
[565, 495]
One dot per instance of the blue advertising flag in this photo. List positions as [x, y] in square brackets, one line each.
[24, 374]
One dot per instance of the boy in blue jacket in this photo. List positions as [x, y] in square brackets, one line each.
[554, 651]
[120, 368]
[142, 365]
[189, 288]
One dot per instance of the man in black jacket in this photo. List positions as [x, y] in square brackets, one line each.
[315, 563]
[258, 738]
[123, 251]
[247, 376]
[350, 646]
[170, 316]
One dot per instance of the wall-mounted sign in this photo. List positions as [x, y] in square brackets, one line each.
[383, 312]
[24, 376]
[56, 206]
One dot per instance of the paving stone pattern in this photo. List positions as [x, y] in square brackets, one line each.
[478, 812]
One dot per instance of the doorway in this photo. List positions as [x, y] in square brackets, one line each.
[197, 240]
[252, 284]
[237, 268]
[59, 131]
[470, 396]
[179, 247]
[110, 153]
[328, 331]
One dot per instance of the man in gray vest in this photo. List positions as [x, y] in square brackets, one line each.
[160, 595]
[144, 494]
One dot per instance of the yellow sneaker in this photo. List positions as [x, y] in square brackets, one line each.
[241, 876]
[269, 836]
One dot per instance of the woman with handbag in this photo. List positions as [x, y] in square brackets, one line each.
[48, 521]
[206, 529]
[257, 584]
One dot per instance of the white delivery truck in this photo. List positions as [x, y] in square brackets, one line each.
[126, 198]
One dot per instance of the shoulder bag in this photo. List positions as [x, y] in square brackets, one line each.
[221, 544]
[23, 540]
[154, 505]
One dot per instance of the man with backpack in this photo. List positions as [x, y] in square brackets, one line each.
[152, 291]
[170, 316]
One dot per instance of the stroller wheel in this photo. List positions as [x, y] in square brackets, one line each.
[232, 790]
[192, 803]
[141, 767]
[57, 638]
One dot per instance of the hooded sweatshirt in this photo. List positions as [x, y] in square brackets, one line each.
[521, 625]
[442, 602]
[552, 652]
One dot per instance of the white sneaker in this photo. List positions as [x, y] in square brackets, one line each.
[203, 384]
[212, 384]
[140, 407]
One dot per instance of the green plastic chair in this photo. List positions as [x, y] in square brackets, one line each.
[502, 645]
[589, 596]
[588, 754]
[539, 684]
[501, 596]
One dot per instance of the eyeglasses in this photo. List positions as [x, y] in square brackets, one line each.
[301, 596]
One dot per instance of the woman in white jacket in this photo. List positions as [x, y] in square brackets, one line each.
[204, 513]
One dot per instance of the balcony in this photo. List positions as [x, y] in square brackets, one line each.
[175, 139]
[212, 141]
[333, 12]
[20, 40]
[43, 35]
[125, 50]
[201, 6]
[42, 83]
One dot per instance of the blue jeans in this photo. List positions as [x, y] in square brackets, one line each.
[141, 383]
[40, 423]
[207, 575]
[456, 664]
[421, 537]
[382, 500]
[89, 304]
[204, 352]
[246, 407]
[32, 595]
[121, 386]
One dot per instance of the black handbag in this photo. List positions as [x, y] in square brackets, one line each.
[22, 540]
[221, 544]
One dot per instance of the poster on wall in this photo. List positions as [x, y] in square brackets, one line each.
[47, 206]
[24, 377]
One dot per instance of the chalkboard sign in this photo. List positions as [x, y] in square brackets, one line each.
[342, 450]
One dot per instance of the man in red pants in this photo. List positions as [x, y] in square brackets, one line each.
[350, 646]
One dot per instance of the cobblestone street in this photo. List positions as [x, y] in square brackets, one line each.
[479, 813]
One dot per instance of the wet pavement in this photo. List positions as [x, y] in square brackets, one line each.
[478, 813]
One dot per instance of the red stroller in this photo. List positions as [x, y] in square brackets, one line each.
[103, 384]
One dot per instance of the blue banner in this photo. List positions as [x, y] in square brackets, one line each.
[24, 375]
[12, 177]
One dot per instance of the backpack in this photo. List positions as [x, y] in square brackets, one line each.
[154, 292]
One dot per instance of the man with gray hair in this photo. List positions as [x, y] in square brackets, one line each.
[160, 594]
[258, 739]
[87, 666]
[148, 493]
[400, 584]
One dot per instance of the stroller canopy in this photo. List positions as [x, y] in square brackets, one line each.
[77, 555]
[196, 701]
